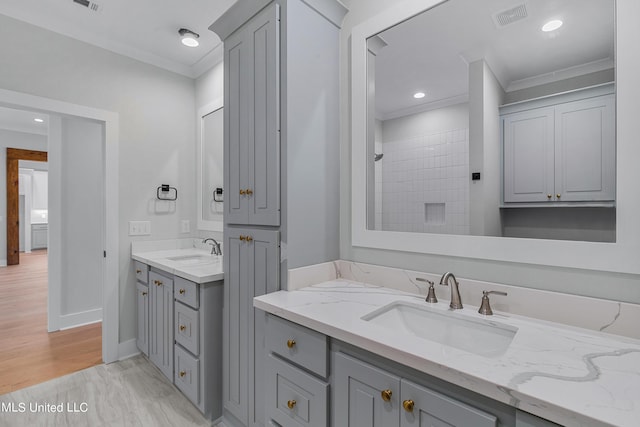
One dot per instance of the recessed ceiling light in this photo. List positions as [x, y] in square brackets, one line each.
[189, 38]
[38, 120]
[419, 95]
[552, 25]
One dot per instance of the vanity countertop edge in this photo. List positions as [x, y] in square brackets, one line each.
[199, 273]
[569, 375]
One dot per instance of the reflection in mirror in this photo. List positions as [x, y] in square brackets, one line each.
[479, 122]
[210, 193]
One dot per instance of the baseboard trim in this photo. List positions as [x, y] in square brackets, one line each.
[68, 321]
[3, 262]
[127, 349]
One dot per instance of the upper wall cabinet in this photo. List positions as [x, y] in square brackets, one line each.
[563, 152]
[252, 126]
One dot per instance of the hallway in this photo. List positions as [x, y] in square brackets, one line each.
[28, 354]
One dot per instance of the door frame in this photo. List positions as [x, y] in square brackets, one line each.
[14, 155]
[110, 223]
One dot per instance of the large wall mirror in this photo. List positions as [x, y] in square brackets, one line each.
[210, 163]
[477, 112]
[477, 133]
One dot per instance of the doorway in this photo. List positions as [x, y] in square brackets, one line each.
[14, 155]
[107, 275]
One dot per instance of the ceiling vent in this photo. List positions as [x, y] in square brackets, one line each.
[95, 7]
[510, 16]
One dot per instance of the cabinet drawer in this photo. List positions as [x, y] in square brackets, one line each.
[186, 292]
[298, 344]
[187, 330]
[142, 272]
[295, 398]
[187, 374]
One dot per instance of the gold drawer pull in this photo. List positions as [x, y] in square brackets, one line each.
[291, 343]
[182, 327]
[144, 293]
[182, 374]
[249, 238]
[408, 405]
[138, 271]
[242, 192]
[386, 395]
[291, 404]
[242, 238]
[182, 291]
[249, 192]
[158, 282]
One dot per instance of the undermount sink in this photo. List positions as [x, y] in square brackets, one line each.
[478, 336]
[193, 259]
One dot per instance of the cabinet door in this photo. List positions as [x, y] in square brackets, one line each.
[264, 118]
[585, 150]
[252, 121]
[529, 156]
[363, 395]
[251, 269]
[426, 408]
[161, 323]
[236, 131]
[142, 303]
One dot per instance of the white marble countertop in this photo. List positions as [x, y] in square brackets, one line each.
[572, 376]
[203, 269]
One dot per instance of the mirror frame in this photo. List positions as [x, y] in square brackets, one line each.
[622, 256]
[202, 113]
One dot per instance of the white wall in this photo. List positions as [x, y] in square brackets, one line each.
[11, 139]
[156, 127]
[622, 287]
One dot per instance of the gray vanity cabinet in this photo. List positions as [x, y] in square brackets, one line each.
[142, 305]
[252, 125]
[422, 407]
[161, 322]
[563, 152]
[251, 264]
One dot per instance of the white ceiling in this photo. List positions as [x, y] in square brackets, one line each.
[146, 30]
[431, 51]
[22, 121]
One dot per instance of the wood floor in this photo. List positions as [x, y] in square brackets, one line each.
[28, 353]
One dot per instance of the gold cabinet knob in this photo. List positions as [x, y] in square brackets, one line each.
[549, 196]
[144, 293]
[182, 374]
[249, 239]
[158, 282]
[558, 195]
[182, 327]
[291, 404]
[249, 192]
[291, 343]
[242, 238]
[138, 271]
[386, 395]
[242, 192]
[408, 405]
[181, 291]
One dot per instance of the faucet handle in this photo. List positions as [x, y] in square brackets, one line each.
[431, 296]
[485, 307]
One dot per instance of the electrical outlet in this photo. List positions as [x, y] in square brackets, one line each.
[139, 228]
[185, 226]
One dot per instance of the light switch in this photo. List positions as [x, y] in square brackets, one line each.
[139, 228]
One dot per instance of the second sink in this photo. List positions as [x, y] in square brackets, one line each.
[478, 336]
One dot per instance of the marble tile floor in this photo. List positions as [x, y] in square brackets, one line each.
[131, 392]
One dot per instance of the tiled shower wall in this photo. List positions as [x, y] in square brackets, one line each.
[425, 183]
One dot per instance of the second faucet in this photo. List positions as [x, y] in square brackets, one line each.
[456, 302]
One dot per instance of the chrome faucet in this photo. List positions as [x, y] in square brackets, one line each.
[215, 246]
[456, 303]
